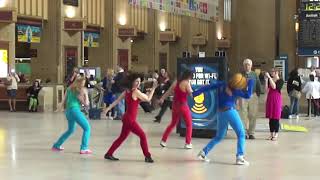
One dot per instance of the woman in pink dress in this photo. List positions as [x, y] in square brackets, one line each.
[274, 102]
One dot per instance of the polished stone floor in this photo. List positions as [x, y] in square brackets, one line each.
[26, 139]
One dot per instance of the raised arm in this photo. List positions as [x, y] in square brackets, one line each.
[145, 97]
[212, 86]
[246, 94]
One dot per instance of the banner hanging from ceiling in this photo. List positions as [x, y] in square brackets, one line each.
[202, 9]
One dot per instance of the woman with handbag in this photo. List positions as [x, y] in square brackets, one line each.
[294, 92]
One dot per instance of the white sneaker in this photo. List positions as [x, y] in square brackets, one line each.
[241, 161]
[202, 156]
[297, 116]
[163, 144]
[188, 146]
[291, 116]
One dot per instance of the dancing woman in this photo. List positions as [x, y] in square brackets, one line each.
[75, 95]
[182, 89]
[227, 113]
[132, 96]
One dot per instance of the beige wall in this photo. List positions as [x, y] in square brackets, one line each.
[287, 31]
[45, 65]
[253, 32]
[7, 32]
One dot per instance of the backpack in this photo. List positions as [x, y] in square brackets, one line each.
[285, 112]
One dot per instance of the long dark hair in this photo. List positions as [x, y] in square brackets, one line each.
[185, 75]
[131, 78]
[294, 73]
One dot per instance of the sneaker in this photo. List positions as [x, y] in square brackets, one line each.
[59, 149]
[106, 156]
[241, 161]
[87, 151]
[202, 156]
[251, 137]
[291, 116]
[148, 160]
[188, 146]
[163, 144]
[297, 116]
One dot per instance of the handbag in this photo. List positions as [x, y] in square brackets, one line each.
[296, 94]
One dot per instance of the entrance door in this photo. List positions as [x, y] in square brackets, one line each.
[123, 58]
[163, 61]
[4, 59]
[71, 60]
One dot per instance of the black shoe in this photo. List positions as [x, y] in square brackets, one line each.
[148, 160]
[106, 156]
[251, 137]
[247, 136]
[157, 120]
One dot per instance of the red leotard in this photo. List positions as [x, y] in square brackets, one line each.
[130, 125]
[180, 109]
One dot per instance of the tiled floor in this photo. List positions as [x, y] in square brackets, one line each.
[26, 139]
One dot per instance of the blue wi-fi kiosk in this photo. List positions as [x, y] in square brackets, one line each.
[203, 107]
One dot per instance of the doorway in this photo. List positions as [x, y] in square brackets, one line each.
[123, 58]
[71, 56]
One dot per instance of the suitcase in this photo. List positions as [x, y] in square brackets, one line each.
[146, 107]
[95, 114]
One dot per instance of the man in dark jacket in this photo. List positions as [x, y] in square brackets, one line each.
[294, 92]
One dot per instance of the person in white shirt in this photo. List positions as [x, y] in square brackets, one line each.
[12, 87]
[312, 90]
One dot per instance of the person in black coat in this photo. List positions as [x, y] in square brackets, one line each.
[294, 92]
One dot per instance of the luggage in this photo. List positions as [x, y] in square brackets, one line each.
[146, 107]
[95, 113]
[285, 112]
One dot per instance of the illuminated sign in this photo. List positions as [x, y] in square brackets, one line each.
[29, 34]
[3, 63]
[91, 39]
[204, 107]
[309, 28]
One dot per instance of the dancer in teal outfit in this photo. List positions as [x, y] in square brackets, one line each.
[75, 95]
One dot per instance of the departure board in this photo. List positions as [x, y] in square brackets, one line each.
[309, 24]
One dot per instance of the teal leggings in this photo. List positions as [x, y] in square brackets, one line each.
[74, 116]
[224, 119]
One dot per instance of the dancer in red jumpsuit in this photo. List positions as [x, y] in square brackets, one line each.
[182, 89]
[132, 96]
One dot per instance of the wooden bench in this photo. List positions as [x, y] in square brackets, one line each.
[21, 99]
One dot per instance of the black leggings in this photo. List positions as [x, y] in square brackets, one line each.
[274, 125]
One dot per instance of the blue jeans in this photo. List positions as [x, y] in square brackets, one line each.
[294, 105]
[120, 108]
[74, 115]
[224, 118]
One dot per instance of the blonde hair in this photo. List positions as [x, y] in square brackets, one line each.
[110, 72]
[76, 86]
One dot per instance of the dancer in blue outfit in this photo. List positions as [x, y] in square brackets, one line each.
[227, 114]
